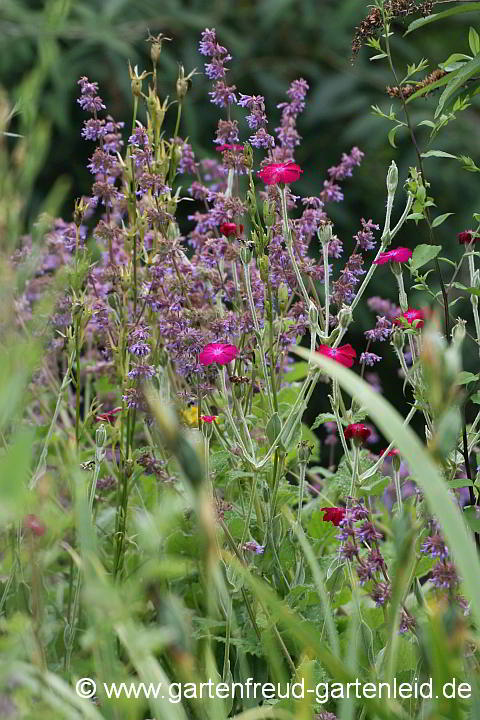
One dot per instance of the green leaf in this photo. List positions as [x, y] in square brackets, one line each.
[438, 153]
[421, 22]
[458, 79]
[472, 290]
[298, 372]
[391, 135]
[424, 470]
[440, 219]
[323, 418]
[475, 398]
[423, 254]
[474, 41]
[464, 377]
[471, 514]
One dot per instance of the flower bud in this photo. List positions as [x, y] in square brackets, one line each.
[245, 255]
[345, 316]
[262, 263]
[392, 178]
[398, 340]
[325, 233]
[304, 450]
[282, 295]
[458, 331]
[268, 212]
[313, 316]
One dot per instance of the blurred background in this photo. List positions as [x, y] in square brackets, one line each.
[47, 46]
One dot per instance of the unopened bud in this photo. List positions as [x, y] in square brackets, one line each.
[345, 316]
[325, 233]
[313, 316]
[304, 450]
[282, 295]
[459, 332]
[392, 178]
[262, 263]
[245, 255]
[398, 339]
[268, 212]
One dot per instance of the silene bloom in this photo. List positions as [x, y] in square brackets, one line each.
[399, 255]
[230, 228]
[358, 432]
[286, 172]
[108, 416]
[345, 354]
[466, 236]
[410, 316]
[228, 146]
[209, 418]
[219, 353]
[334, 515]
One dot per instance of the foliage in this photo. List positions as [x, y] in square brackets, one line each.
[168, 513]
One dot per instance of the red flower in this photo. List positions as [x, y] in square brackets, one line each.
[334, 515]
[357, 432]
[108, 416]
[399, 255]
[286, 172]
[227, 146]
[35, 525]
[466, 237]
[209, 418]
[219, 353]
[410, 316]
[391, 453]
[344, 354]
[230, 228]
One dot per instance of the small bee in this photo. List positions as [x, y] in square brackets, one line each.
[88, 466]
[239, 379]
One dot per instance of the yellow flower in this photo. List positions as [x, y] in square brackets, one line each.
[191, 416]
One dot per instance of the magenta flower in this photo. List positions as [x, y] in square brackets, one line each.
[466, 237]
[34, 524]
[286, 172]
[334, 515]
[219, 353]
[410, 316]
[399, 255]
[357, 432]
[209, 418]
[345, 354]
[229, 146]
[230, 228]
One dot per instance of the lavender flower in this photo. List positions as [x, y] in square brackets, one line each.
[369, 359]
[364, 237]
[444, 575]
[382, 330]
[434, 545]
[89, 100]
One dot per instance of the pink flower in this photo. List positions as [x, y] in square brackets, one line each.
[219, 353]
[399, 255]
[286, 172]
[357, 432]
[334, 515]
[230, 228]
[391, 453]
[466, 237]
[209, 418]
[108, 416]
[410, 316]
[344, 354]
[227, 146]
[35, 525]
